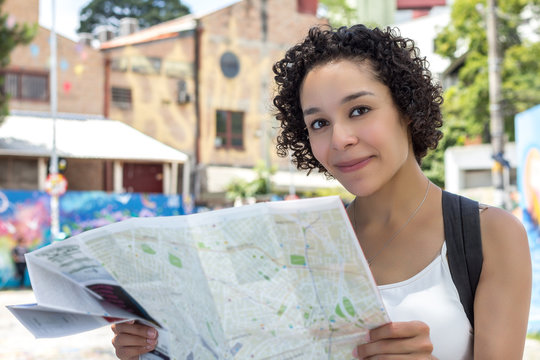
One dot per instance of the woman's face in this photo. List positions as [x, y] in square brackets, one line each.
[354, 128]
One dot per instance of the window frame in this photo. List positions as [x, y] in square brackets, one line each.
[125, 105]
[146, 65]
[228, 134]
[120, 64]
[20, 73]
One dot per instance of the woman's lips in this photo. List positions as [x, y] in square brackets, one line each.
[353, 165]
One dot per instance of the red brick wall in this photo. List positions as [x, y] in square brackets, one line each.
[419, 4]
[308, 6]
[79, 68]
[23, 11]
[79, 73]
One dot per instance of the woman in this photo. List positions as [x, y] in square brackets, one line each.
[359, 104]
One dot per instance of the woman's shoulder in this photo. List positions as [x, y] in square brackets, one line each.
[497, 223]
[503, 236]
[504, 239]
[500, 224]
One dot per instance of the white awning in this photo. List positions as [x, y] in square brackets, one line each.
[218, 177]
[85, 139]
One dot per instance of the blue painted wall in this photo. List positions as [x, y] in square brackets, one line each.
[25, 217]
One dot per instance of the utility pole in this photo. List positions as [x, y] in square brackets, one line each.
[500, 166]
[53, 167]
[265, 51]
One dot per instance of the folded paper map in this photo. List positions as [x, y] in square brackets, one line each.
[276, 280]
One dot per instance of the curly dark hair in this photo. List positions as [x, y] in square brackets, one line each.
[394, 60]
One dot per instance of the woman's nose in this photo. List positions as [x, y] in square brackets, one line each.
[343, 136]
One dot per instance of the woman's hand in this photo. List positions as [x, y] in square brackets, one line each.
[397, 340]
[132, 339]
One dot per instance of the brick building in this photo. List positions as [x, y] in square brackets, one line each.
[25, 152]
[203, 84]
[200, 84]
[80, 69]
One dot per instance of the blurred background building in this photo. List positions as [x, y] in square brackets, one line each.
[203, 84]
[199, 84]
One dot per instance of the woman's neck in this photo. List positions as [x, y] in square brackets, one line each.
[394, 201]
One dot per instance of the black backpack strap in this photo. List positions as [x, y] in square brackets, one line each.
[464, 246]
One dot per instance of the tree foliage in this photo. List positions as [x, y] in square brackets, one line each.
[466, 106]
[261, 185]
[148, 12]
[12, 35]
[339, 12]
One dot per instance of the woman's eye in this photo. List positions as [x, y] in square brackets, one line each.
[317, 124]
[359, 111]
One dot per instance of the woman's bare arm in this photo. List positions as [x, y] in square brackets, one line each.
[501, 306]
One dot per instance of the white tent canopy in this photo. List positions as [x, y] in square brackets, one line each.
[85, 139]
[79, 137]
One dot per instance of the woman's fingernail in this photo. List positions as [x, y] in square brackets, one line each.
[149, 347]
[151, 341]
[152, 333]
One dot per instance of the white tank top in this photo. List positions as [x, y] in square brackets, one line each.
[431, 297]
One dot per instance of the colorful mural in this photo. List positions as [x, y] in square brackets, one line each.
[25, 219]
[528, 152]
[84, 210]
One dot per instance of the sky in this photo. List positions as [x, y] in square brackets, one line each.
[67, 13]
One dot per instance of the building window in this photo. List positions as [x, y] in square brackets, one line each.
[18, 173]
[121, 97]
[26, 86]
[230, 64]
[229, 129]
[182, 95]
[178, 69]
[119, 64]
[155, 63]
[146, 65]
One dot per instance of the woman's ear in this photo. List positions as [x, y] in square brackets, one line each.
[407, 120]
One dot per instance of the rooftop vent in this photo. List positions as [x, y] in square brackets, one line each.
[85, 38]
[128, 25]
[104, 33]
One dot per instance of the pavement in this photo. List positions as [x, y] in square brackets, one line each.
[17, 343]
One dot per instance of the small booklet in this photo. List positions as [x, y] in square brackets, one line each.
[276, 280]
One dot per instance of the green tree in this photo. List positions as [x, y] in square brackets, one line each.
[148, 12]
[11, 35]
[339, 12]
[466, 106]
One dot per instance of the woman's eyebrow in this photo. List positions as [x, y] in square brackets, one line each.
[346, 99]
[356, 96]
[311, 111]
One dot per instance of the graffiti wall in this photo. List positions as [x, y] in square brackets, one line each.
[528, 152]
[24, 223]
[25, 220]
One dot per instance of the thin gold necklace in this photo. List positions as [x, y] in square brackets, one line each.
[370, 260]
